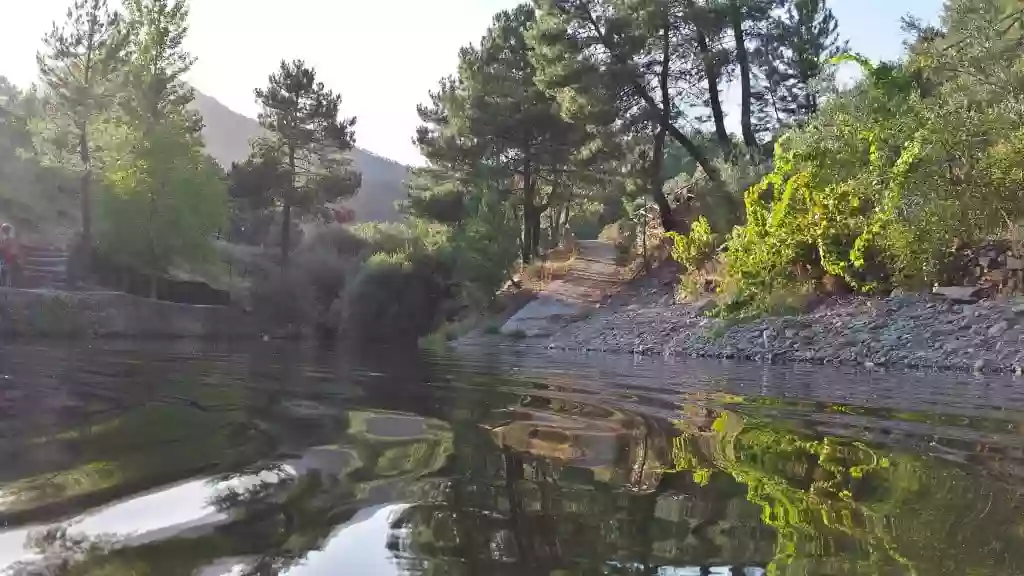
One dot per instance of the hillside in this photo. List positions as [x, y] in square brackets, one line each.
[227, 134]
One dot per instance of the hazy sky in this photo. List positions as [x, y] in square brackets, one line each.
[382, 55]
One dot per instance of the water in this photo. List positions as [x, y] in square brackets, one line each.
[188, 459]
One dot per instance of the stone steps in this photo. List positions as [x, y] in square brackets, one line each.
[43, 267]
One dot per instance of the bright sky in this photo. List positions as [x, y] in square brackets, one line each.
[383, 56]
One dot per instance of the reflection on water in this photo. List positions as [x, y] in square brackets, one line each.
[150, 460]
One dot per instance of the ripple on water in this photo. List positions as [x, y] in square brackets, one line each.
[210, 459]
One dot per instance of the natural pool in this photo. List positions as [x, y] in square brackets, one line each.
[188, 458]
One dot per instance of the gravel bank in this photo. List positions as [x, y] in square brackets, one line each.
[909, 331]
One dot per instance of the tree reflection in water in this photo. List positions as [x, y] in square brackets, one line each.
[508, 476]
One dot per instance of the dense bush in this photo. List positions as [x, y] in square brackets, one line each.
[878, 186]
[396, 297]
[387, 282]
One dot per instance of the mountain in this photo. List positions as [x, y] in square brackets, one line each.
[227, 134]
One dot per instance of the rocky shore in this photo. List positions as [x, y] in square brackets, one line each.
[917, 331]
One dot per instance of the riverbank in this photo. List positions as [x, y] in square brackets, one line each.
[642, 317]
[56, 314]
[909, 331]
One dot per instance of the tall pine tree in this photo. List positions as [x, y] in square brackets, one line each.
[80, 60]
[802, 38]
[310, 138]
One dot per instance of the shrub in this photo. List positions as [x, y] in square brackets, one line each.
[694, 249]
[395, 297]
[876, 188]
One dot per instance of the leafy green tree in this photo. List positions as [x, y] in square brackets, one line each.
[253, 186]
[156, 64]
[80, 61]
[166, 198]
[310, 139]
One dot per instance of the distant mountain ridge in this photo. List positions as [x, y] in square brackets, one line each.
[227, 134]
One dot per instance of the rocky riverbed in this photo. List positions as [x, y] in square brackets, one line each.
[908, 331]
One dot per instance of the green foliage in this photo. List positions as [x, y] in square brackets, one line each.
[877, 187]
[484, 250]
[893, 509]
[399, 295]
[164, 199]
[796, 50]
[81, 60]
[308, 147]
[162, 204]
[694, 249]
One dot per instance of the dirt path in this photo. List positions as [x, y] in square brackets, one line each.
[591, 277]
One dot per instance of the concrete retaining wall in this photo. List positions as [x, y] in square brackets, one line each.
[41, 313]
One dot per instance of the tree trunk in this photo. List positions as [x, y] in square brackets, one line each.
[524, 247]
[715, 97]
[743, 59]
[85, 197]
[565, 217]
[553, 217]
[529, 213]
[286, 211]
[716, 102]
[641, 91]
[286, 232]
[535, 236]
[658, 161]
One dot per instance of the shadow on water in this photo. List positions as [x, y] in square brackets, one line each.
[177, 459]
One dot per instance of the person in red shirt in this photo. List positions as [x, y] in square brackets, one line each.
[8, 254]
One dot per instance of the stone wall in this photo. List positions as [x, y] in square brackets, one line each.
[38, 313]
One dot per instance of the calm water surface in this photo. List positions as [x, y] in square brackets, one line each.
[191, 459]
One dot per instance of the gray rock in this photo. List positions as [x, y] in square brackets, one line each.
[959, 294]
[998, 328]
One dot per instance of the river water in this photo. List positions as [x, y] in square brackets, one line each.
[192, 459]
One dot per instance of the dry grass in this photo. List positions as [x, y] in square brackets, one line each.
[554, 266]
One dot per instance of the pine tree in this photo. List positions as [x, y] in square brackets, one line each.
[304, 117]
[748, 20]
[626, 59]
[707, 26]
[798, 46]
[81, 58]
[495, 116]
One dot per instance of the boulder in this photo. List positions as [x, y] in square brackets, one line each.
[543, 316]
[959, 294]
